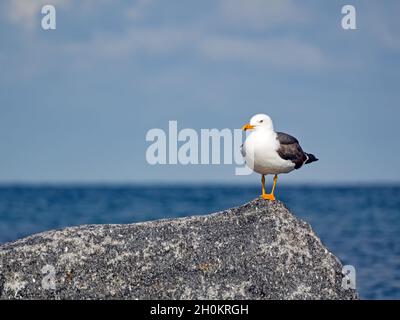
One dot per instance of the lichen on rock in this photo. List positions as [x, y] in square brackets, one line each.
[256, 251]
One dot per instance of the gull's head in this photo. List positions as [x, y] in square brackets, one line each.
[259, 122]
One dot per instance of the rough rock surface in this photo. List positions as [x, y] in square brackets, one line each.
[256, 251]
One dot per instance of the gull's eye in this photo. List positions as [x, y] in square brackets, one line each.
[260, 121]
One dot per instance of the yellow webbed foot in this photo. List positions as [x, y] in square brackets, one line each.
[266, 196]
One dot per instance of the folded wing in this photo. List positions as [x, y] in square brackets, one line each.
[289, 149]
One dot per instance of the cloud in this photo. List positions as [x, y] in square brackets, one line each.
[131, 42]
[26, 13]
[187, 39]
[262, 14]
[390, 39]
[138, 10]
[283, 52]
[382, 24]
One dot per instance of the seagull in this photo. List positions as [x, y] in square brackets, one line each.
[268, 152]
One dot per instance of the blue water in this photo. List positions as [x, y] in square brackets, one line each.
[360, 225]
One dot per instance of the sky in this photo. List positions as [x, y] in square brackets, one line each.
[76, 102]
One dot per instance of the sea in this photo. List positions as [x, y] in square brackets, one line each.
[359, 224]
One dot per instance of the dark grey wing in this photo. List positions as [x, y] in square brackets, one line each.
[289, 149]
[285, 138]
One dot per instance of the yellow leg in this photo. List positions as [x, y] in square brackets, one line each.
[274, 186]
[262, 184]
[270, 196]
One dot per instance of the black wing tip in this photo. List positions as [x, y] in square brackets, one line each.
[311, 158]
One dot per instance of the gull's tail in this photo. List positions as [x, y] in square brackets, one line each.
[310, 158]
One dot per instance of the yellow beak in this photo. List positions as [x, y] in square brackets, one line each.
[247, 126]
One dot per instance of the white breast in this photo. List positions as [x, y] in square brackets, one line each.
[259, 152]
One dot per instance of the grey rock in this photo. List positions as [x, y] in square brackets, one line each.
[256, 251]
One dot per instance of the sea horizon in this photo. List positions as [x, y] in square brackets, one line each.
[162, 183]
